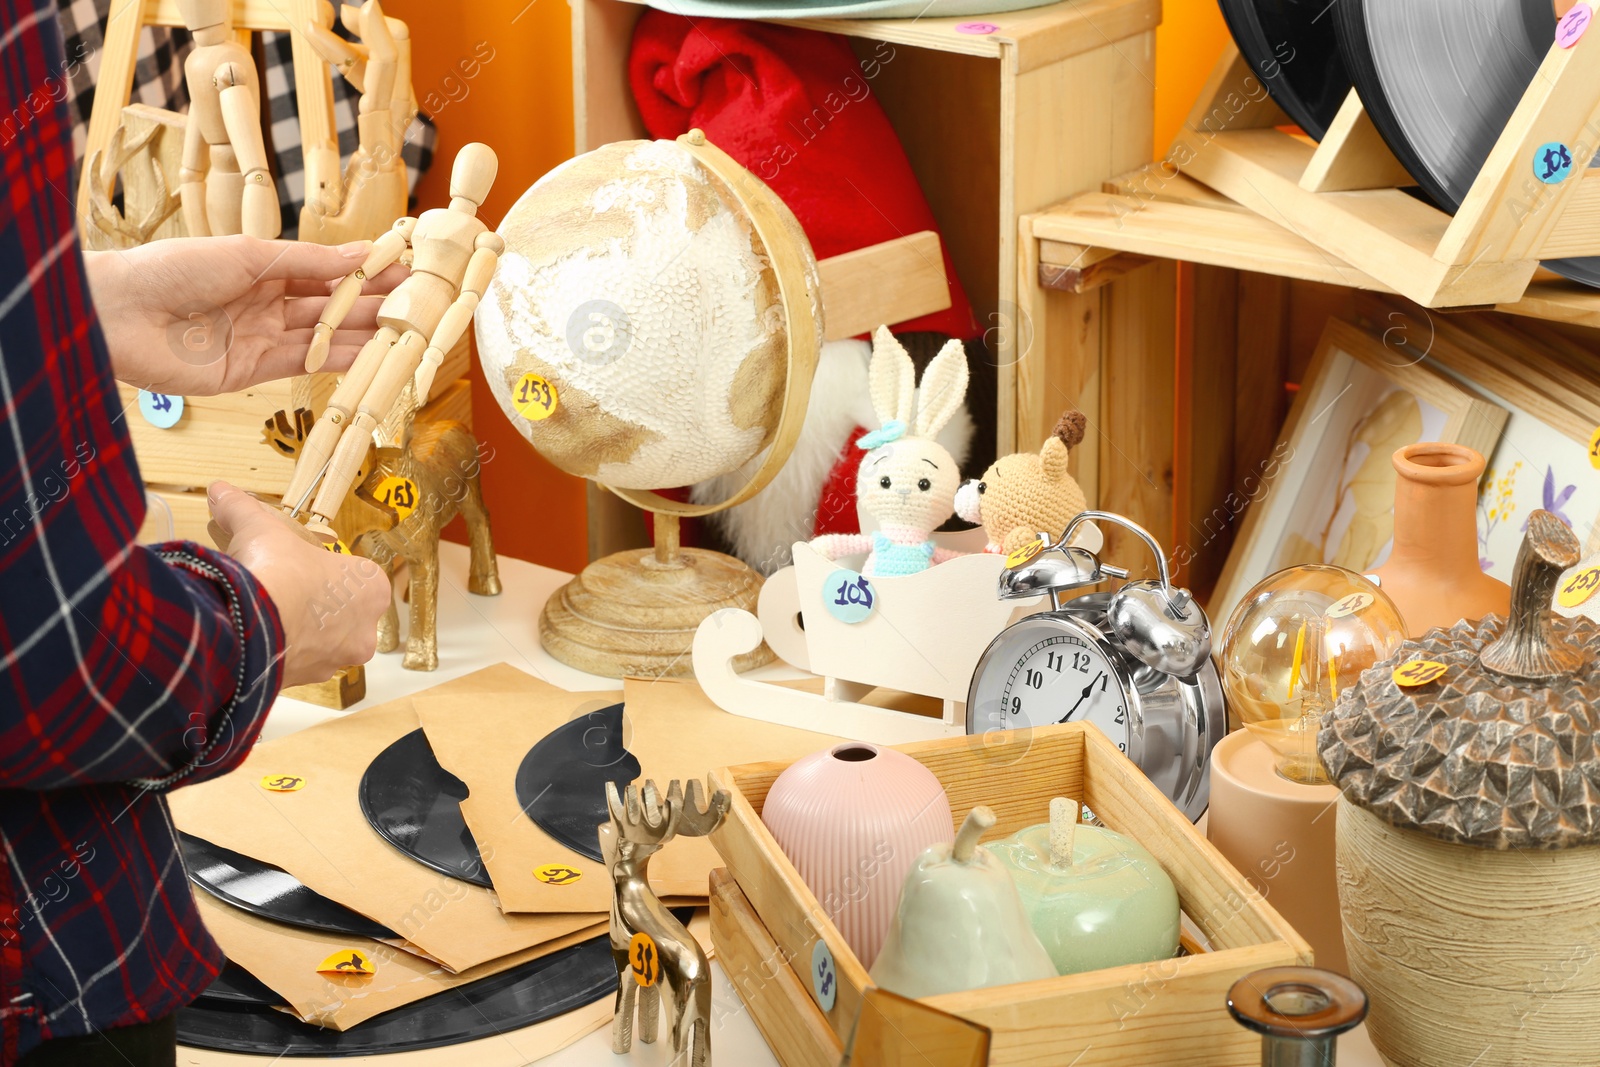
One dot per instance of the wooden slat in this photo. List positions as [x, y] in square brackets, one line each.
[1059, 366]
[1164, 182]
[784, 1012]
[1075, 269]
[1579, 232]
[883, 284]
[1353, 155]
[1137, 396]
[1170, 230]
[1137, 1016]
[1029, 38]
[1508, 214]
[1384, 232]
[1205, 425]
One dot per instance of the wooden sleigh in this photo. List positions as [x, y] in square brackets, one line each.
[924, 637]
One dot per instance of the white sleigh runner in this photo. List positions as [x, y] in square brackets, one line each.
[921, 633]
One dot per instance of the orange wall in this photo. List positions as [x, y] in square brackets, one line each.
[520, 103]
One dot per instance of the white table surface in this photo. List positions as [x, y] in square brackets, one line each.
[477, 632]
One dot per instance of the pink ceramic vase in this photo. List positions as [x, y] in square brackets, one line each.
[853, 819]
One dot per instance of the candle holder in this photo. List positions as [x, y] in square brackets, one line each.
[1299, 1013]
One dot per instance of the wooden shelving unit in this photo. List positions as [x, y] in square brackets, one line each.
[1053, 102]
[1188, 366]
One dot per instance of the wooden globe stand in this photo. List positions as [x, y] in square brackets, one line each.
[636, 612]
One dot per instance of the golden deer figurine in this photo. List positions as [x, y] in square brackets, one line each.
[404, 497]
[651, 947]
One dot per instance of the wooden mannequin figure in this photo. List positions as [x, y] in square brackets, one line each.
[360, 203]
[226, 186]
[453, 256]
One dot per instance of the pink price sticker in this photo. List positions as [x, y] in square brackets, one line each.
[978, 29]
[1573, 25]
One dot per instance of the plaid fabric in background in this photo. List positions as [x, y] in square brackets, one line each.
[158, 81]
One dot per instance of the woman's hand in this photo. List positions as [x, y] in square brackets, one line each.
[329, 604]
[196, 316]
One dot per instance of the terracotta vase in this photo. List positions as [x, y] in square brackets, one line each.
[853, 819]
[1432, 573]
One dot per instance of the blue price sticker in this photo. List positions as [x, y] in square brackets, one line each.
[849, 596]
[1552, 163]
[160, 409]
[824, 976]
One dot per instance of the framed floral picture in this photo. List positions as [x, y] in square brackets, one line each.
[1330, 498]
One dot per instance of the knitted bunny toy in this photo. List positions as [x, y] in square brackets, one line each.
[907, 481]
[1023, 495]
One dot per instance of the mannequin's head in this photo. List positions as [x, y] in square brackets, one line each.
[473, 173]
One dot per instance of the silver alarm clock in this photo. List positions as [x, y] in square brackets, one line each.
[1135, 663]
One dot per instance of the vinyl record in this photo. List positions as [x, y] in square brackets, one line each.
[1291, 46]
[270, 892]
[237, 988]
[1441, 78]
[562, 781]
[415, 805]
[538, 990]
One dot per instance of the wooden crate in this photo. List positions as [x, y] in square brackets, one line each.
[220, 436]
[1055, 100]
[765, 922]
[180, 512]
[1347, 195]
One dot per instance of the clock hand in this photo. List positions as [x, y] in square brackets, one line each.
[1081, 698]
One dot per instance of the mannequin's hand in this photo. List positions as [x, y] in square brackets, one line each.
[198, 316]
[329, 603]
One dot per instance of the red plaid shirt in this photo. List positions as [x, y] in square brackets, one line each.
[124, 670]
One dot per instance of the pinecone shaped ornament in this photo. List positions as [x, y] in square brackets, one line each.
[1468, 836]
[1499, 752]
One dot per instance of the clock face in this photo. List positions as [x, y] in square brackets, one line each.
[1050, 670]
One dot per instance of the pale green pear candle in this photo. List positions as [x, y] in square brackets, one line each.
[1095, 898]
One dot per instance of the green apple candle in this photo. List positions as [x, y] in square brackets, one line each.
[1095, 898]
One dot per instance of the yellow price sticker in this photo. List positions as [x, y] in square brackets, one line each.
[644, 960]
[557, 874]
[1019, 556]
[399, 493]
[348, 961]
[1351, 604]
[283, 783]
[1418, 672]
[1594, 448]
[338, 548]
[534, 398]
[1579, 588]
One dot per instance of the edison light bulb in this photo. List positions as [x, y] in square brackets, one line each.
[1294, 643]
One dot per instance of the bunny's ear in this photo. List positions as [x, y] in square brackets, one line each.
[944, 386]
[892, 376]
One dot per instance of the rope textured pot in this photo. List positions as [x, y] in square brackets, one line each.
[1469, 820]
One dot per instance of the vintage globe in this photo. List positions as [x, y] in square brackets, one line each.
[654, 321]
[635, 331]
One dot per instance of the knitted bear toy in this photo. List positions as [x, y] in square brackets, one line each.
[1023, 495]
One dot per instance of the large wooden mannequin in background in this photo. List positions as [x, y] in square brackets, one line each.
[453, 256]
[226, 186]
[371, 192]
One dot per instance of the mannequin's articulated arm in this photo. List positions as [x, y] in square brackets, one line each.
[385, 250]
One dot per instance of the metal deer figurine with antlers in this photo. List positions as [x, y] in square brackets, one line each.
[651, 948]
